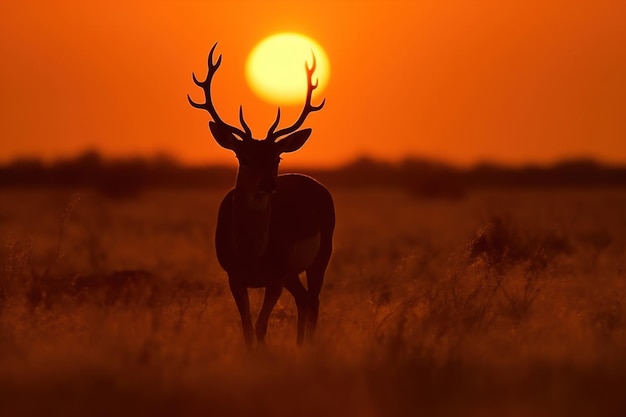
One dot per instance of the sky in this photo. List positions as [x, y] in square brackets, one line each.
[463, 81]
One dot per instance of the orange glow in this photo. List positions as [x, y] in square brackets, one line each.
[516, 81]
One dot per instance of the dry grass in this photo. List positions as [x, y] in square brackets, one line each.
[506, 304]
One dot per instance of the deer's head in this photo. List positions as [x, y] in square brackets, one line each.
[258, 159]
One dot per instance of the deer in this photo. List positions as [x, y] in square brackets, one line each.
[271, 228]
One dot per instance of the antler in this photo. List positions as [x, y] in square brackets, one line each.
[308, 107]
[208, 104]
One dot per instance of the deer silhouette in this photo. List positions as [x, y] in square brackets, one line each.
[271, 227]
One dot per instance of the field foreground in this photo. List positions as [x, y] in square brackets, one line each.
[500, 303]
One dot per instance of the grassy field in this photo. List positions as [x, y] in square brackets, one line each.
[503, 303]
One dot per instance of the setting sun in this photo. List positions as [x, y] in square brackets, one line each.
[275, 67]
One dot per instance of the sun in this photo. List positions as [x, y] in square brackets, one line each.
[275, 67]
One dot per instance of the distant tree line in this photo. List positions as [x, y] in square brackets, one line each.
[114, 177]
[426, 178]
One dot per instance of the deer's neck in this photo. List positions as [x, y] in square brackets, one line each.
[251, 221]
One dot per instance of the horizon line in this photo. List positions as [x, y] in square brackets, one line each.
[364, 157]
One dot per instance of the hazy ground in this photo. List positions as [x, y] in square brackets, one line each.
[501, 303]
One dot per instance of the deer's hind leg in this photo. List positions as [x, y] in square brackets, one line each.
[300, 294]
[315, 280]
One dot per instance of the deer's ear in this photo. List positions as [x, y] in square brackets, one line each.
[294, 141]
[223, 136]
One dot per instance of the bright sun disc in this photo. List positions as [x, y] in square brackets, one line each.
[275, 68]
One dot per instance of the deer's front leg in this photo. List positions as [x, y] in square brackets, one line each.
[240, 294]
[272, 294]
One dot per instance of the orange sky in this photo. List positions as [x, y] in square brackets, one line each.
[460, 80]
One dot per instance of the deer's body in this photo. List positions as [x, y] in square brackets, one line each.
[268, 242]
[271, 228]
[284, 234]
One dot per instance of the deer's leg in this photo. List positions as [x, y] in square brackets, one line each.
[240, 294]
[295, 287]
[272, 293]
[314, 279]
